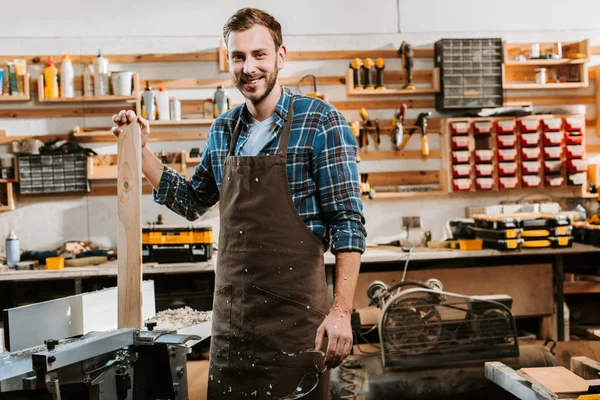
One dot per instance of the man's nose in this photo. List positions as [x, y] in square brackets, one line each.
[250, 66]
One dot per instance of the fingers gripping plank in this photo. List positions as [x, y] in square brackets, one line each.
[129, 235]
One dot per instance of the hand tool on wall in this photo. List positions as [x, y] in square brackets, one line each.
[398, 127]
[407, 53]
[368, 67]
[365, 187]
[355, 128]
[370, 125]
[379, 67]
[315, 93]
[421, 123]
[356, 65]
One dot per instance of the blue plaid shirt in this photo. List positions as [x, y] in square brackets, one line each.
[321, 167]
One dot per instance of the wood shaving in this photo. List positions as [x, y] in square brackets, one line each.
[172, 320]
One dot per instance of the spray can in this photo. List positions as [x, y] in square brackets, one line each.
[148, 99]
[101, 75]
[175, 109]
[13, 253]
[221, 101]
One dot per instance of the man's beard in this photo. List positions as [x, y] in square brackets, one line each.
[256, 97]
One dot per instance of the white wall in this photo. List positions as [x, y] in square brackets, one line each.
[179, 26]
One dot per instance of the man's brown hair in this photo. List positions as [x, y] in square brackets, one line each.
[246, 18]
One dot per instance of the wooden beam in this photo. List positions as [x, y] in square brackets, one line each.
[595, 50]
[552, 100]
[73, 112]
[404, 178]
[129, 235]
[597, 75]
[122, 58]
[350, 54]
[397, 155]
[111, 190]
[382, 104]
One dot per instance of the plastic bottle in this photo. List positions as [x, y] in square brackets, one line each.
[221, 101]
[88, 80]
[163, 104]
[149, 111]
[50, 80]
[13, 253]
[175, 109]
[101, 75]
[67, 77]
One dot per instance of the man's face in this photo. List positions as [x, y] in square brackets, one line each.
[254, 62]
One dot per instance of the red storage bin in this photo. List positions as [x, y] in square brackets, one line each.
[530, 139]
[577, 165]
[531, 181]
[482, 127]
[460, 170]
[553, 152]
[507, 140]
[553, 165]
[505, 126]
[508, 182]
[485, 183]
[531, 167]
[460, 142]
[529, 125]
[530, 153]
[459, 127]
[507, 154]
[507, 168]
[554, 180]
[461, 156]
[577, 179]
[484, 169]
[574, 137]
[484, 155]
[462, 184]
[552, 124]
[553, 138]
[575, 123]
[575, 151]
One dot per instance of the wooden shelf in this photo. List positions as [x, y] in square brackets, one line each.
[5, 98]
[104, 166]
[105, 135]
[183, 122]
[404, 195]
[537, 86]
[581, 287]
[542, 62]
[435, 87]
[90, 99]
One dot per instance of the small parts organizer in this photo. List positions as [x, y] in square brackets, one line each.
[507, 153]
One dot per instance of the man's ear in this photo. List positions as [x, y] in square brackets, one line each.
[281, 55]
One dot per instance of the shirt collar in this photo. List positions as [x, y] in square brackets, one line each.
[281, 109]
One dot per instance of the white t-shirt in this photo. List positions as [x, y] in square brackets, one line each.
[259, 135]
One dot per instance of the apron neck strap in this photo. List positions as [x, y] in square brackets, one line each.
[285, 134]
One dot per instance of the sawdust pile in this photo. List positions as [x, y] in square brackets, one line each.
[172, 320]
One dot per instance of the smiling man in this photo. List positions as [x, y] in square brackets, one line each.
[283, 169]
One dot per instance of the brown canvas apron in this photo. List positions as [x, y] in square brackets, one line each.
[270, 292]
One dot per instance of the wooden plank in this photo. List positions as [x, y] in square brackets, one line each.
[68, 316]
[350, 54]
[595, 50]
[382, 104]
[397, 155]
[581, 287]
[555, 379]
[597, 75]
[43, 138]
[111, 190]
[122, 58]
[129, 235]
[108, 137]
[404, 178]
[553, 100]
[71, 112]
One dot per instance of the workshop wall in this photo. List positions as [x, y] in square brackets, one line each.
[180, 26]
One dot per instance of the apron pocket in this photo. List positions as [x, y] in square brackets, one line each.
[221, 323]
[283, 326]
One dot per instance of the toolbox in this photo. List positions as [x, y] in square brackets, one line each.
[510, 244]
[566, 230]
[170, 244]
[497, 234]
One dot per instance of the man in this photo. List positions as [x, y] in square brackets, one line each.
[283, 169]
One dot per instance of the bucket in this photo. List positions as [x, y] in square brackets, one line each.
[55, 262]
[122, 82]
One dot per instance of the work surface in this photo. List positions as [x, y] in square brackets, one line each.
[372, 255]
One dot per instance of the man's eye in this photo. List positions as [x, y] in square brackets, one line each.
[260, 55]
[236, 58]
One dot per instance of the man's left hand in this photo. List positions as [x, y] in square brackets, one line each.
[338, 329]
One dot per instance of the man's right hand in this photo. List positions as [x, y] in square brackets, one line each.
[127, 117]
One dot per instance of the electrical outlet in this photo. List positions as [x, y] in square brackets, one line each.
[411, 222]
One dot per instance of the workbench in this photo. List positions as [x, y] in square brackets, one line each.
[375, 260]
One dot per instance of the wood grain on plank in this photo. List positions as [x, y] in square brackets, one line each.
[72, 112]
[556, 379]
[129, 235]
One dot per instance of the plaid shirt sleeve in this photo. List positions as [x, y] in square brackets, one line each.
[336, 173]
[192, 198]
